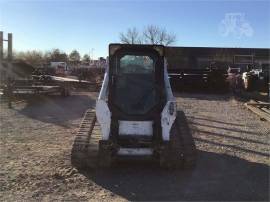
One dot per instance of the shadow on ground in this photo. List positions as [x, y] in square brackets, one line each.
[204, 96]
[56, 109]
[222, 134]
[242, 95]
[216, 177]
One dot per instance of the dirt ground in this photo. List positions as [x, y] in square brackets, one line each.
[36, 139]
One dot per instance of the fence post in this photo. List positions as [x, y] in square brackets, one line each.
[1, 46]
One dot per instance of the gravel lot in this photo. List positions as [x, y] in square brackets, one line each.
[36, 139]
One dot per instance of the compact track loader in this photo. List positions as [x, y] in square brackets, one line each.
[136, 116]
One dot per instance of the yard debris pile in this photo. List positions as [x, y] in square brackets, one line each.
[262, 109]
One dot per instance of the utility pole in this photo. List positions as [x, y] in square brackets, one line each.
[9, 46]
[9, 40]
[1, 46]
[92, 53]
[9, 81]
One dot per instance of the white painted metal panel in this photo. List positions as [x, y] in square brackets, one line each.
[104, 118]
[102, 110]
[135, 151]
[168, 114]
[136, 128]
[167, 120]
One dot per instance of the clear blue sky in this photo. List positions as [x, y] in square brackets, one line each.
[86, 25]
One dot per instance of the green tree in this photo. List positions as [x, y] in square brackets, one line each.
[86, 58]
[56, 55]
[74, 56]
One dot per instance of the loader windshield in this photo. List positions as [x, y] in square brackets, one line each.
[135, 91]
[136, 64]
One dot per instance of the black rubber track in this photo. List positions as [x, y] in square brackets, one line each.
[84, 152]
[180, 151]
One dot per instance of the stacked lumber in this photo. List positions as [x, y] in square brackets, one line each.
[262, 109]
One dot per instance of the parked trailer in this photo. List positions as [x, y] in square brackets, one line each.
[36, 86]
[41, 90]
[40, 84]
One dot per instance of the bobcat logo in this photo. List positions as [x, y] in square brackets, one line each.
[235, 24]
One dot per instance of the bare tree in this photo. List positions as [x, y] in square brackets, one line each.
[132, 36]
[39, 58]
[151, 34]
[156, 35]
[34, 57]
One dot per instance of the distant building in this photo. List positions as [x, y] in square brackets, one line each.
[100, 63]
[61, 68]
